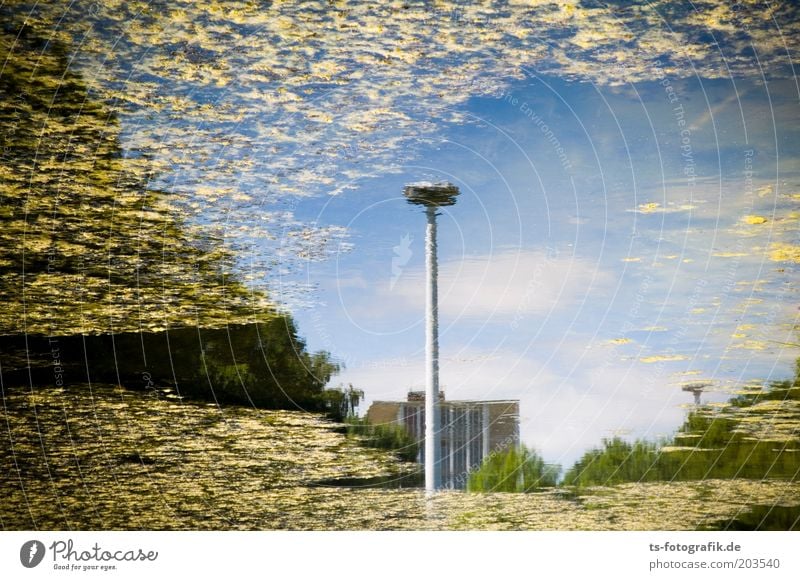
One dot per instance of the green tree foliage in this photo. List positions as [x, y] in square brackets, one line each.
[92, 255]
[517, 469]
[755, 436]
[99, 277]
[264, 365]
[342, 401]
[86, 245]
[391, 437]
[617, 461]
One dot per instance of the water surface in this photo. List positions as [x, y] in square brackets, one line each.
[627, 231]
[104, 458]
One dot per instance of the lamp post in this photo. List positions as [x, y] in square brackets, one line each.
[431, 196]
[696, 389]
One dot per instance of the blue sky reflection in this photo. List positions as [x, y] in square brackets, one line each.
[609, 246]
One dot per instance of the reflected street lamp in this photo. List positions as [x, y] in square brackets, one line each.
[431, 196]
[696, 389]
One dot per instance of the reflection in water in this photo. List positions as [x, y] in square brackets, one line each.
[86, 244]
[89, 247]
[140, 148]
[237, 106]
[101, 457]
[755, 435]
[472, 431]
[773, 518]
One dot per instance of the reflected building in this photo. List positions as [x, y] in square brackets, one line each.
[471, 430]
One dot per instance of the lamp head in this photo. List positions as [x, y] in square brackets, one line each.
[431, 194]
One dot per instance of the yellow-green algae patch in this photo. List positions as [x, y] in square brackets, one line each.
[106, 458]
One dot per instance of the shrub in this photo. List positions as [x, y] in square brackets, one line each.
[392, 437]
[517, 469]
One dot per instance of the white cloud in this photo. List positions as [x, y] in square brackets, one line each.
[509, 285]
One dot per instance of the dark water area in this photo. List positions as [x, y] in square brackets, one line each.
[765, 518]
[264, 365]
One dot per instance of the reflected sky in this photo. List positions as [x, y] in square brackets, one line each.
[629, 177]
[592, 284]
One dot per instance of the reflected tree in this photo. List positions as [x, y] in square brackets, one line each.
[99, 274]
[86, 246]
[343, 401]
[756, 435]
[517, 469]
